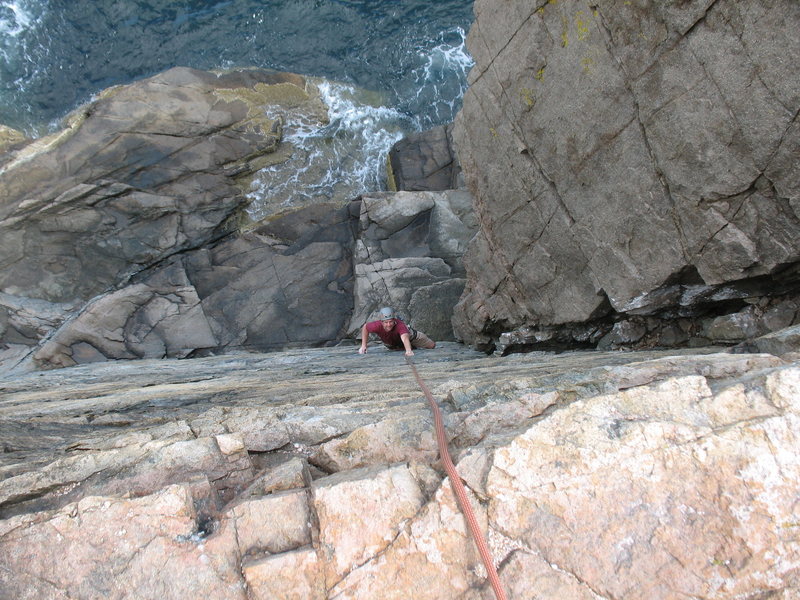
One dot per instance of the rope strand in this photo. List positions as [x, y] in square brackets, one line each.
[458, 488]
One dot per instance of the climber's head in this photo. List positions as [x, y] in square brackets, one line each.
[388, 318]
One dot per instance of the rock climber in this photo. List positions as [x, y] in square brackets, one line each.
[394, 334]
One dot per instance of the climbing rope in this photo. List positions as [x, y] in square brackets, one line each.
[458, 488]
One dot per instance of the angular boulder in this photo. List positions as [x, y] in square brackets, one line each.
[409, 257]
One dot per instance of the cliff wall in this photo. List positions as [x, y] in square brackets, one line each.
[634, 165]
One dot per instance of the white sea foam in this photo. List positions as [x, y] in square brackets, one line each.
[441, 80]
[18, 19]
[347, 157]
[15, 17]
[332, 162]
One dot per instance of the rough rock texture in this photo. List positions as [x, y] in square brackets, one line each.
[408, 256]
[260, 289]
[10, 137]
[144, 172]
[424, 161]
[122, 235]
[628, 158]
[265, 287]
[314, 474]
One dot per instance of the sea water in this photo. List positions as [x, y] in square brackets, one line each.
[391, 67]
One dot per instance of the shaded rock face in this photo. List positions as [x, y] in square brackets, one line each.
[425, 161]
[260, 289]
[305, 277]
[143, 173]
[628, 159]
[408, 256]
[314, 474]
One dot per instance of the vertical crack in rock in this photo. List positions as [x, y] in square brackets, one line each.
[794, 121]
[609, 41]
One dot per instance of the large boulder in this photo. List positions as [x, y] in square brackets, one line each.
[628, 158]
[256, 289]
[424, 161]
[123, 235]
[143, 173]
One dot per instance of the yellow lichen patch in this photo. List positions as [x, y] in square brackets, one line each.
[110, 92]
[540, 74]
[586, 63]
[391, 184]
[527, 96]
[286, 95]
[581, 26]
[564, 32]
[260, 96]
[356, 442]
[9, 136]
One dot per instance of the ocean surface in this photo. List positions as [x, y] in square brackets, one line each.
[393, 66]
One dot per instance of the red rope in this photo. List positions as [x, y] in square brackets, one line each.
[458, 489]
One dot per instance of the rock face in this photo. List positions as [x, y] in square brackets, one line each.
[260, 289]
[123, 236]
[143, 173]
[628, 160]
[425, 161]
[408, 256]
[313, 474]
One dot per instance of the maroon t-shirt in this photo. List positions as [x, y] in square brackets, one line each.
[391, 337]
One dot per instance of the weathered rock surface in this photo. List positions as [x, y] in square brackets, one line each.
[628, 159]
[122, 235]
[264, 288]
[10, 137]
[313, 474]
[259, 289]
[408, 256]
[143, 173]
